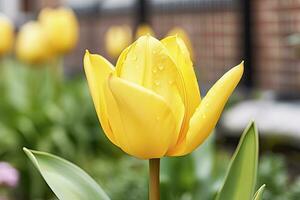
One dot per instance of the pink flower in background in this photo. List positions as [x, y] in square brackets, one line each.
[9, 176]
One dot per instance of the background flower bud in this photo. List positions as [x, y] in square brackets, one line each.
[6, 34]
[61, 27]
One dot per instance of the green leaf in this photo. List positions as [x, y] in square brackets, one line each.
[65, 179]
[259, 193]
[240, 179]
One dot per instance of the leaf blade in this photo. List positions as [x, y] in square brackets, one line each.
[65, 179]
[259, 193]
[240, 179]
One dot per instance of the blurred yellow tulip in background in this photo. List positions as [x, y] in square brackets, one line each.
[144, 29]
[62, 28]
[6, 34]
[117, 38]
[31, 44]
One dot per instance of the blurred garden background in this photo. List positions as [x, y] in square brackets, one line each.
[45, 102]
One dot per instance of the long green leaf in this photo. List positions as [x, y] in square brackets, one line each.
[259, 193]
[240, 179]
[65, 179]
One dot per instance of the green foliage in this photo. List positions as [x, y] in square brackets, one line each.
[259, 193]
[65, 179]
[41, 111]
[241, 176]
[274, 172]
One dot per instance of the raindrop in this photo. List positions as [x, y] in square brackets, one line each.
[157, 82]
[161, 67]
[163, 58]
[134, 57]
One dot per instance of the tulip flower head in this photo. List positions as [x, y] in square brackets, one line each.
[61, 27]
[149, 105]
[6, 34]
[32, 44]
[117, 38]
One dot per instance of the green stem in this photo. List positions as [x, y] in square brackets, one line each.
[154, 193]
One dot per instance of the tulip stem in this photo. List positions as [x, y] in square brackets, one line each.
[154, 179]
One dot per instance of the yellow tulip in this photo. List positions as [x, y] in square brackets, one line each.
[62, 28]
[32, 44]
[149, 105]
[144, 29]
[184, 36]
[6, 35]
[117, 38]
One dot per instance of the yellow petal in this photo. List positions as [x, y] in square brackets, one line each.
[207, 114]
[148, 63]
[121, 59]
[180, 55]
[184, 36]
[97, 70]
[141, 118]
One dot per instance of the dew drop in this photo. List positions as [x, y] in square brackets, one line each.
[157, 83]
[161, 67]
[134, 57]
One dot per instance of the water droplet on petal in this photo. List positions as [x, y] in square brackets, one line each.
[134, 57]
[157, 83]
[161, 67]
[171, 82]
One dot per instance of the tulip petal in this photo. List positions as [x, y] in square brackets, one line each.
[143, 119]
[207, 114]
[178, 31]
[148, 63]
[180, 55]
[97, 70]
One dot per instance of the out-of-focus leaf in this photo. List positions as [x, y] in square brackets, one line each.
[66, 179]
[273, 171]
[259, 193]
[241, 176]
[204, 158]
[178, 177]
